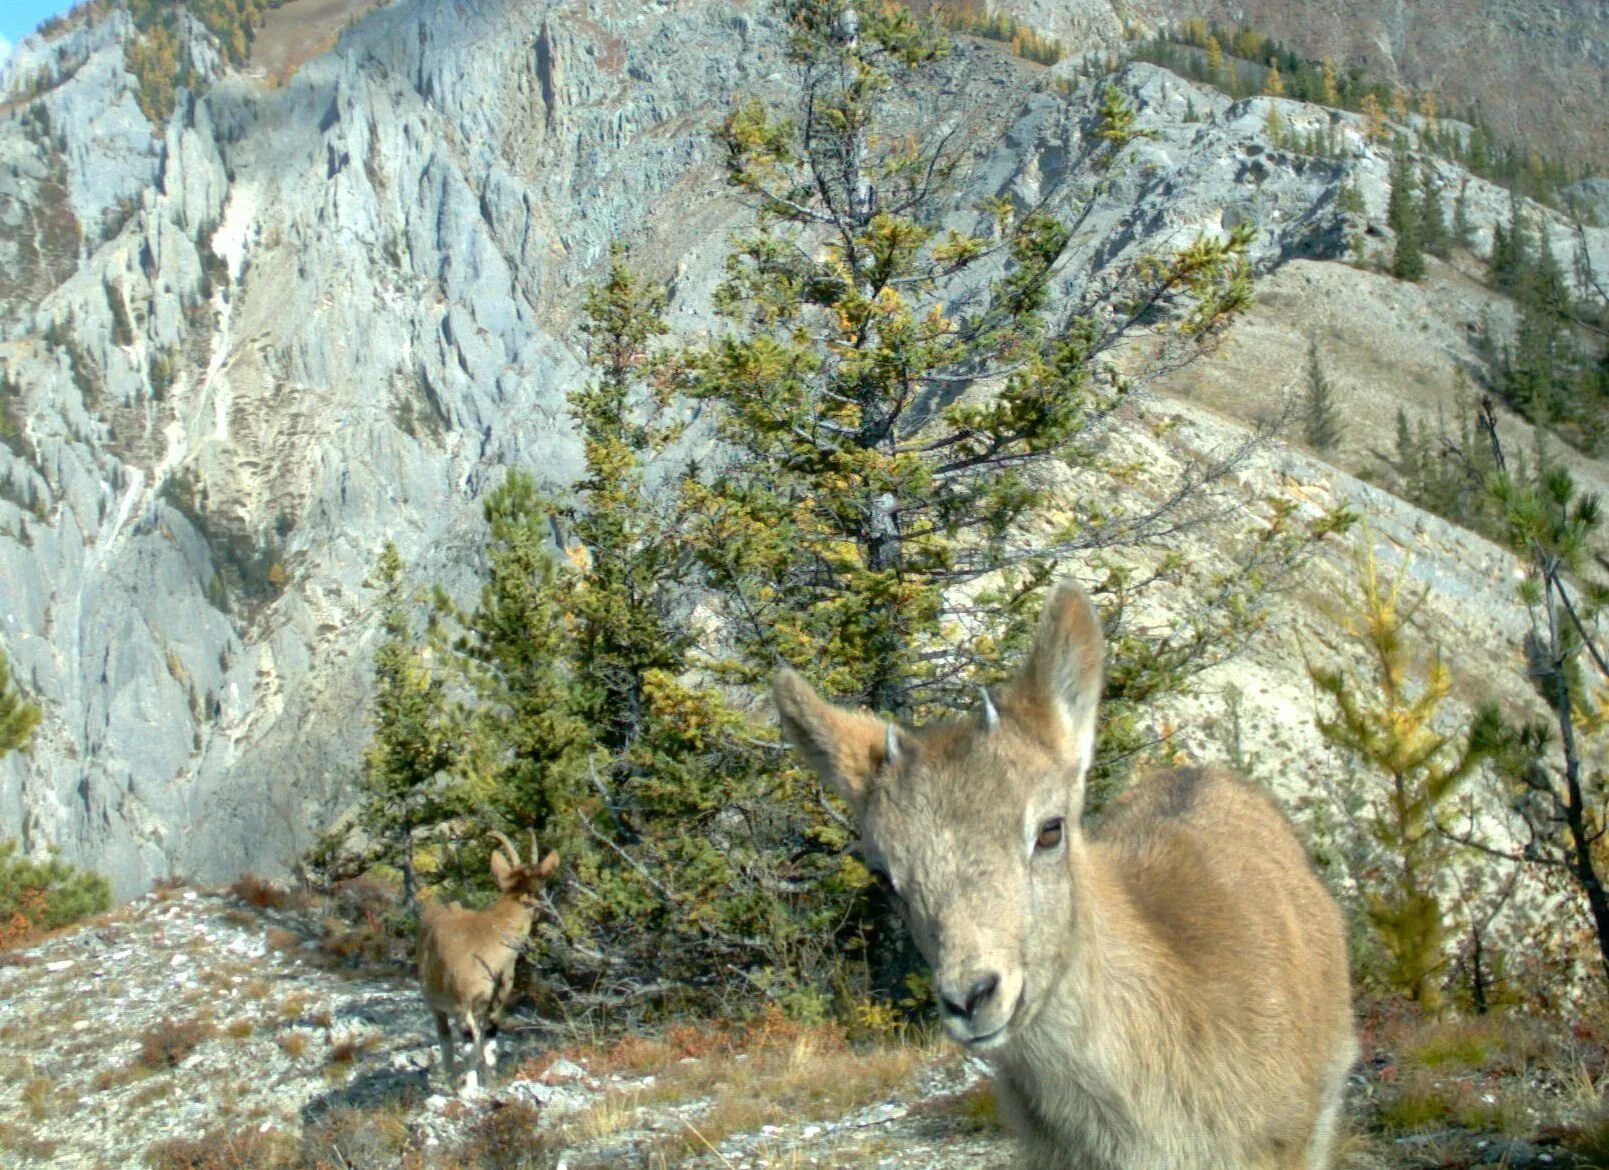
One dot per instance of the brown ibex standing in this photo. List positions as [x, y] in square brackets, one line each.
[1167, 991]
[467, 957]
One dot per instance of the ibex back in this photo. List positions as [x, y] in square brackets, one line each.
[1167, 991]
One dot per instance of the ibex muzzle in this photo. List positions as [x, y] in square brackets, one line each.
[1167, 991]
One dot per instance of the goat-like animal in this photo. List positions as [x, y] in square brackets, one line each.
[1168, 990]
[467, 957]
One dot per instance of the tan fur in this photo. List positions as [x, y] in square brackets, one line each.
[1167, 990]
[467, 957]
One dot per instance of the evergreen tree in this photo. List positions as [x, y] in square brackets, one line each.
[678, 897]
[1463, 230]
[405, 780]
[526, 749]
[1404, 214]
[886, 432]
[1389, 725]
[18, 716]
[1320, 416]
[1432, 222]
[1559, 784]
[865, 489]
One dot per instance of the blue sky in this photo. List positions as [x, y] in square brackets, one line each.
[18, 18]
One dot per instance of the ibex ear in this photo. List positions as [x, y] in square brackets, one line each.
[1056, 694]
[844, 748]
[502, 868]
[549, 864]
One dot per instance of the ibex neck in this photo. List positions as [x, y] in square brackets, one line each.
[1117, 972]
[512, 916]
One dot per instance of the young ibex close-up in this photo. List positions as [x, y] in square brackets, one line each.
[467, 957]
[1166, 990]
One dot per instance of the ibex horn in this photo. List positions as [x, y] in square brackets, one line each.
[991, 717]
[508, 847]
[890, 744]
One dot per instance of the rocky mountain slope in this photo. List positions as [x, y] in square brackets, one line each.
[244, 1029]
[325, 303]
[1537, 73]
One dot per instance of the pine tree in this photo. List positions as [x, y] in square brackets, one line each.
[1404, 214]
[1432, 223]
[1388, 723]
[863, 491]
[526, 748]
[885, 435]
[679, 899]
[18, 716]
[1463, 230]
[1321, 418]
[405, 781]
[1559, 784]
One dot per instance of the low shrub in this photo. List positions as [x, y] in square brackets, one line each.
[42, 895]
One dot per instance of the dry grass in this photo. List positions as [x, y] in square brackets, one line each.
[264, 895]
[168, 1043]
[348, 1049]
[358, 1137]
[38, 1094]
[223, 1150]
[292, 1044]
[24, 1143]
[769, 1072]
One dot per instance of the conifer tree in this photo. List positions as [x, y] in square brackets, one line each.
[525, 748]
[1374, 117]
[677, 897]
[1329, 92]
[1388, 724]
[1463, 230]
[1404, 214]
[1559, 784]
[865, 487]
[405, 779]
[1215, 61]
[1432, 222]
[1321, 418]
[1273, 83]
[18, 716]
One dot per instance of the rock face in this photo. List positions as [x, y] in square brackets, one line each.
[1538, 72]
[312, 314]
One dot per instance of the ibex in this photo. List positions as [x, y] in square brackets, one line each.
[467, 957]
[1165, 991]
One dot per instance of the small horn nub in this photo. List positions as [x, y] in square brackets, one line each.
[508, 847]
[991, 717]
[535, 853]
[890, 745]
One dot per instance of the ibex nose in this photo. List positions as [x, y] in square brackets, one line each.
[976, 996]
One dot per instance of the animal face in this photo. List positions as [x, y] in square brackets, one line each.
[523, 882]
[974, 825]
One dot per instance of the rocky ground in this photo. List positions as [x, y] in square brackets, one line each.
[195, 1028]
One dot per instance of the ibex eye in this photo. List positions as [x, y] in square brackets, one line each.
[1049, 834]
